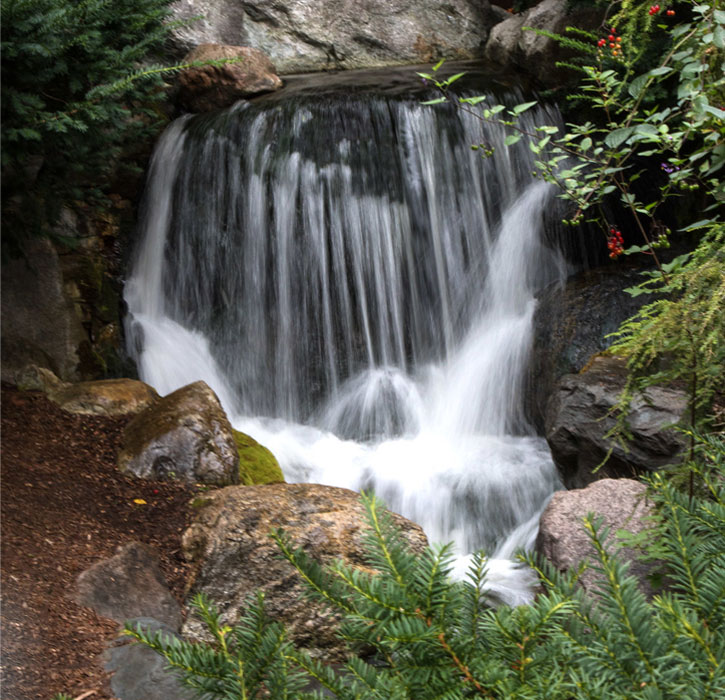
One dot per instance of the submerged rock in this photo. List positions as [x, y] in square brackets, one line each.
[185, 435]
[562, 539]
[578, 418]
[257, 464]
[210, 87]
[234, 556]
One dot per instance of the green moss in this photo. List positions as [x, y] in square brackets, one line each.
[257, 465]
[200, 502]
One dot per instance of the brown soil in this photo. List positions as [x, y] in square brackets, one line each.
[64, 507]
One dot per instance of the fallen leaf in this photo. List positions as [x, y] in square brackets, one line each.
[139, 501]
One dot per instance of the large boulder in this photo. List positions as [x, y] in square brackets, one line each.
[210, 87]
[185, 435]
[579, 416]
[234, 556]
[511, 47]
[300, 36]
[562, 539]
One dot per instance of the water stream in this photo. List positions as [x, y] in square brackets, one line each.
[357, 285]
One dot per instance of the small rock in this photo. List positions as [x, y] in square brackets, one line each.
[210, 87]
[107, 397]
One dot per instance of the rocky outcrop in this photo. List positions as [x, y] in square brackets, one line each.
[562, 539]
[129, 585]
[233, 554]
[106, 397]
[210, 87]
[578, 419]
[511, 47]
[185, 435]
[39, 321]
[300, 36]
[571, 324]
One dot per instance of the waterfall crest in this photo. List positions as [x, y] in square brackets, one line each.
[357, 285]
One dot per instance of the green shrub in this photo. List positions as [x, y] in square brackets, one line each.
[415, 634]
[75, 95]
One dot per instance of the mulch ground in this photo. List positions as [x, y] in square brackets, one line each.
[64, 506]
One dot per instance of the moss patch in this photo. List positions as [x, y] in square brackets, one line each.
[257, 465]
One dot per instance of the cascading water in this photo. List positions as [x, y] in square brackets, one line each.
[357, 285]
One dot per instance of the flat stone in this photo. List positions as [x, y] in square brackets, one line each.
[128, 585]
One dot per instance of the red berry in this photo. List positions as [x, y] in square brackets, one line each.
[670, 13]
[611, 37]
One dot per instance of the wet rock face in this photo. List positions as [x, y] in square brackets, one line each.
[185, 435]
[623, 505]
[571, 324]
[234, 556]
[300, 36]
[206, 88]
[577, 420]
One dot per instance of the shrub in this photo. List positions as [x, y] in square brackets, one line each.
[415, 634]
[75, 95]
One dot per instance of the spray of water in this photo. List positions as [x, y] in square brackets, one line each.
[357, 286]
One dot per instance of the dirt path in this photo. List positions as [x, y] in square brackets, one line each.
[64, 505]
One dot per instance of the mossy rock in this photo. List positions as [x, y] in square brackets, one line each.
[257, 465]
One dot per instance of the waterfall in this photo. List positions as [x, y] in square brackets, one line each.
[357, 285]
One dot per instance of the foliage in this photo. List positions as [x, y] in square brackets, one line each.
[655, 79]
[680, 335]
[426, 636]
[76, 93]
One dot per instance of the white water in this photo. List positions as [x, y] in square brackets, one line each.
[419, 334]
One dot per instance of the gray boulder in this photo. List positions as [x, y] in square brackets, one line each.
[129, 585]
[562, 539]
[210, 87]
[185, 435]
[510, 47]
[300, 36]
[229, 545]
[139, 673]
[578, 418]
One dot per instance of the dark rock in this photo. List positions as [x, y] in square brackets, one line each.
[234, 556]
[40, 324]
[185, 435]
[129, 585]
[300, 36]
[578, 419]
[562, 539]
[139, 673]
[571, 324]
[512, 48]
[206, 88]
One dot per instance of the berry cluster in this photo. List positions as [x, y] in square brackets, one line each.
[614, 42]
[654, 9]
[615, 243]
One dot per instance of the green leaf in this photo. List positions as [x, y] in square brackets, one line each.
[617, 137]
[636, 86]
[435, 101]
[439, 64]
[511, 139]
[586, 144]
[518, 109]
[453, 78]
